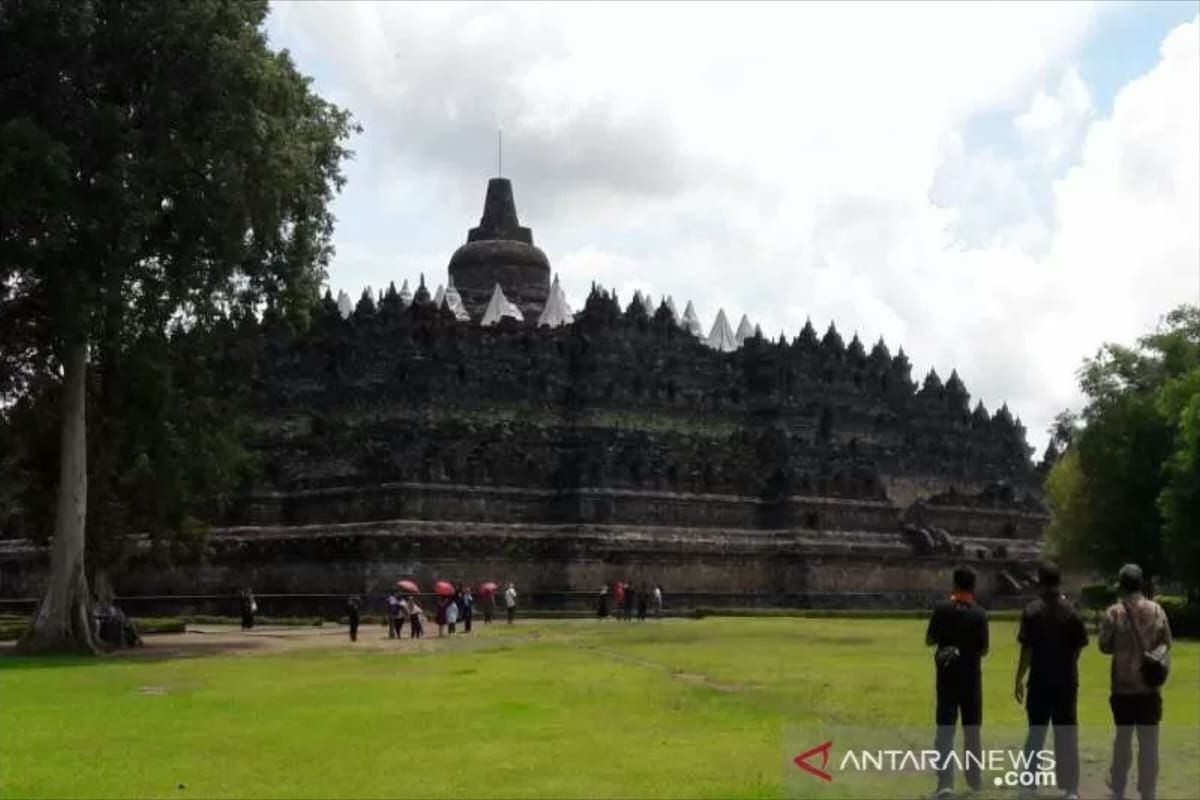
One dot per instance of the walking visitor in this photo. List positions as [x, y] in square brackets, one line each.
[452, 606]
[352, 617]
[393, 615]
[510, 602]
[658, 601]
[468, 609]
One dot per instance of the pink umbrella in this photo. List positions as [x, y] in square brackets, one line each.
[487, 587]
[409, 586]
[444, 588]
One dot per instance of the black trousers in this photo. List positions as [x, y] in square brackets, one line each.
[959, 696]
[354, 629]
[1136, 713]
[1050, 704]
[512, 613]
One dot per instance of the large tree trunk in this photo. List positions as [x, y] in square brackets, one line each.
[63, 622]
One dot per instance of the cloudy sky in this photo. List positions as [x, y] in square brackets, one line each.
[998, 188]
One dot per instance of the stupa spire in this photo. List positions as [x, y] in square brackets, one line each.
[499, 220]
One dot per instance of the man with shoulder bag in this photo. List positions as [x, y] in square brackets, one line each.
[958, 629]
[1135, 632]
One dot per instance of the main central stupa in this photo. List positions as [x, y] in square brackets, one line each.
[501, 252]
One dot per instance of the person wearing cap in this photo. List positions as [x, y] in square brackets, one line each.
[1133, 629]
[1051, 636]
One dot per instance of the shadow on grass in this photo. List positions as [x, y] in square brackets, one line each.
[156, 651]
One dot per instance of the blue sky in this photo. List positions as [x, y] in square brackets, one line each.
[997, 187]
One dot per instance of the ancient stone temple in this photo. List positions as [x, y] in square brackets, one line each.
[487, 431]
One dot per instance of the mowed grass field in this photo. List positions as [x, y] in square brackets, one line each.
[677, 708]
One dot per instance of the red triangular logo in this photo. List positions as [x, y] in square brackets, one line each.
[801, 761]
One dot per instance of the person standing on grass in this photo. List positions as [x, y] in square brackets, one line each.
[489, 606]
[249, 606]
[393, 613]
[452, 606]
[415, 626]
[629, 598]
[352, 617]
[642, 600]
[439, 615]
[1135, 632]
[618, 599]
[958, 630]
[658, 600]
[510, 602]
[468, 609]
[1051, 636]
[602, 603]
[402, 616]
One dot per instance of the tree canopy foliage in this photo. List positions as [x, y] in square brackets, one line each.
[1126, 482]
[162, 171]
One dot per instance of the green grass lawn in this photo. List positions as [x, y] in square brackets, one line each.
[549, 709]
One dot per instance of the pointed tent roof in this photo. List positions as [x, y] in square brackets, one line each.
[721, 336]
[453, 301]
[691, 322]
[439, 296]
[557, 311]
[345, 306]
[498, 308]
[405, 295]
[744, 330]
[670, 304]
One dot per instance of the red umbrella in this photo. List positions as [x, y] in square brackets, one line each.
[487, 587]
[444, 588]
[409, 586]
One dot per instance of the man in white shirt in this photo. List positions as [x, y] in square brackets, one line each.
[510, 602]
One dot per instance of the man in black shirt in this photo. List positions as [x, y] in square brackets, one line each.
[958, 630]
[1051, 636]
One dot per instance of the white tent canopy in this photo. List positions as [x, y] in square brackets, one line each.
[721, 336]
[670, 304]
[557, 311]
[453, 301]
[691, 322]
[498, 308]
[744, 331]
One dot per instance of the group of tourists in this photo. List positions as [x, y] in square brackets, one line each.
[450, 611]
[626, 597]
[1134, 631]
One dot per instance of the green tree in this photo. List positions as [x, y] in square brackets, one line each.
[1127, 483]
[159, 163]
